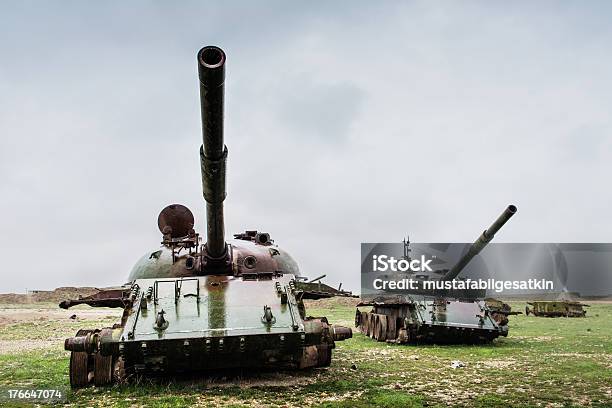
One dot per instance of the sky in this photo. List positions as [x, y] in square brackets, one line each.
[347, 122]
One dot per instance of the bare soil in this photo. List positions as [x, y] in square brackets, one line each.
[48, 296]
[12, 315]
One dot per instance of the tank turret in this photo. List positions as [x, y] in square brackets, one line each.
[182, 253]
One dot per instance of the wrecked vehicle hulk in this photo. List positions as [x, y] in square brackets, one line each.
[424, 315]
[556, 308]
[194, 305]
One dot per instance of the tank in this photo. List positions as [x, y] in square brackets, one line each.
[426, 315]
[194, 305]
[556, 308]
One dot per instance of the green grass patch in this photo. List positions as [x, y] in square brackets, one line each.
[560, 362]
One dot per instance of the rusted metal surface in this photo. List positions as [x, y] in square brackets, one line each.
[80, 366]
[79, 369]
[109, 297]
[176, 221]
[500, 311]
[556, 308]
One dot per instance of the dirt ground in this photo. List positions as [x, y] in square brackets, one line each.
[14, 315]
[50, 296]
[46, 324]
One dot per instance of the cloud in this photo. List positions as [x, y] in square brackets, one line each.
[344, 124]
[320, 111]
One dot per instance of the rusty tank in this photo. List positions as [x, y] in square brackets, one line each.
[556, 308]
[194, 305]
[424, 315]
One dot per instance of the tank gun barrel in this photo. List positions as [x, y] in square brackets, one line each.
[480, 243]
[213, 153]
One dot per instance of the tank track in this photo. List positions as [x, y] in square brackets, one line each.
[381, 327]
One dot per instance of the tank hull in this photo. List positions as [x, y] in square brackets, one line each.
[181, 325]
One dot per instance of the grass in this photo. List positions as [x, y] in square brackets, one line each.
[544, 362]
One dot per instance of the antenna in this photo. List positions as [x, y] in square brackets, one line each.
[407, 250]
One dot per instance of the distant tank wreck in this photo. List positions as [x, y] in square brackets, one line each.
[438, 316]
[193, 305]
[556, 308]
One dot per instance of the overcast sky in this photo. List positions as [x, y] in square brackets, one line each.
[345, 123]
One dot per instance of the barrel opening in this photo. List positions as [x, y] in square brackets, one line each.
[512, 208]
[212, 57]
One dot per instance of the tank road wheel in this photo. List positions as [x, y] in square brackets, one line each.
[103, 369]
[364, 323]
[377, 327]
[324, 355]
[79, 365]
[79, 369]
[382, 336]
[391, 330]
